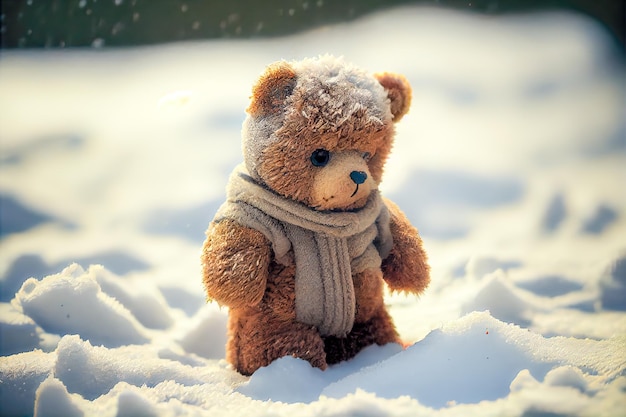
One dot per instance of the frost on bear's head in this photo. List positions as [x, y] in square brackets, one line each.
[319, 131]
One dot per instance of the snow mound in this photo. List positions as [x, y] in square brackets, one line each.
[145, 302]
[19, 332]
[205, 334]
[474, 359]
[295, 380]
[478, 357]
[479, 266]
[499, 297]
[613, 286]
[566, 376]
[52, 399]
[72, 302]
[20, 376]
[92, 371]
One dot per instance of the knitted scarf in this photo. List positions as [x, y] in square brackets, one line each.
[328, 247]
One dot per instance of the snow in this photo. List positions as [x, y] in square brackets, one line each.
[70, 303]
[511, 163]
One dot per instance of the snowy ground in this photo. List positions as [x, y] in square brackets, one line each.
[512, 163]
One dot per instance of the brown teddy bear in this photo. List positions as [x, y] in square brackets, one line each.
[300, 249]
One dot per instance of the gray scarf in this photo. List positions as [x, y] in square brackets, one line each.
[328, 247]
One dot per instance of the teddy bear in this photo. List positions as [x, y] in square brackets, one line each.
[302, 247]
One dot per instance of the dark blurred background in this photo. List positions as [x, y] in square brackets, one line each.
[97, 23]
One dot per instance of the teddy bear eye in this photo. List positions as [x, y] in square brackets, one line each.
[366, 156]
[320, 157]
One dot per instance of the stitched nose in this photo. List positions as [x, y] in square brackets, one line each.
[358, 177]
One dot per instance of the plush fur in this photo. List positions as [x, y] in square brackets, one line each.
[298, 109]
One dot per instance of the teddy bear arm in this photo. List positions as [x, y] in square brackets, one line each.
[235, 263]
[406, 267]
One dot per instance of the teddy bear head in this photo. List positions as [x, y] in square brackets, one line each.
[319, 131]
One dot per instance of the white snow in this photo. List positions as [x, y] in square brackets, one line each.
[72, 302]
[511, 163]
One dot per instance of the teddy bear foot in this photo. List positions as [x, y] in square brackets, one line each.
[299, 341]
[378, 330]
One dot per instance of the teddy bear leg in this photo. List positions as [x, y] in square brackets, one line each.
[373, 324]
[379, 330]
[256, 343]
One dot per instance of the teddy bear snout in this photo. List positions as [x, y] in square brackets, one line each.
[344, 183]
[358, 177]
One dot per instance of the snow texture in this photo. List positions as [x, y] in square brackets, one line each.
[511, 163]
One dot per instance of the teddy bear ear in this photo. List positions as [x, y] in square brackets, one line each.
[272, 88]
[399, 93]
